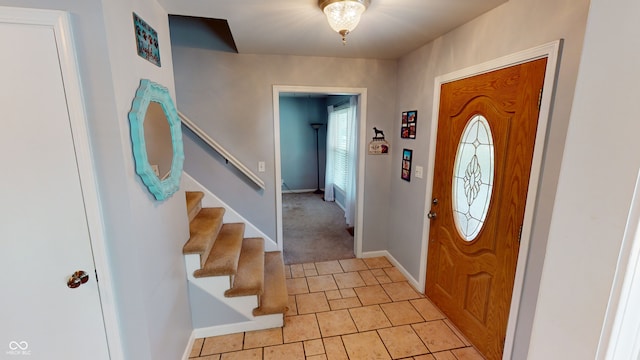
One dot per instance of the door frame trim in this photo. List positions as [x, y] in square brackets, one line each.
[362, 134]
[551, 51]
[60, 23]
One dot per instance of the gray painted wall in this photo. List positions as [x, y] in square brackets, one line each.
[144, 237]
[230, 96]
[298, 142]
[514, 26]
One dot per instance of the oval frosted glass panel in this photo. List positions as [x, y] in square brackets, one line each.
[472, 182]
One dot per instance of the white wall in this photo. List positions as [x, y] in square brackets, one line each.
[602, 157]
[514, 26]
[230, 96]
[144, 237]
[160, 228]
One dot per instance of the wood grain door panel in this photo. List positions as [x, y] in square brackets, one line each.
[472, 281]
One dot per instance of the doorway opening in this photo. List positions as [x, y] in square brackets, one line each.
[310, 229]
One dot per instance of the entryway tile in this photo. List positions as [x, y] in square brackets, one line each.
[444, 355]
[426, 308]
[399, 291]
[293, 308]
[437, 336]
[334, 323]
[300, 328]
[401, 313]
[340, 310]
[467, 353]
[350, 265]
[402, 341]
[293, 351]
[311, 303]
[297, 286]
[349, 280]
[313, 347]
[253, 354]
[328, 267]
[347, 293]
[210, 357]
[317, 357]
[262, 338]
[366, 345]
[371, 295]
[394, 274]
[377, 262]
[297, 271]
[457, 332]
[424, 357]
[222, 344]
[334, 348]
[321, 283]
[339, 304]
[368, 277]
[369, 318]
[195, 349]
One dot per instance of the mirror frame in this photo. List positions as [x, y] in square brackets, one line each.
[149, 91]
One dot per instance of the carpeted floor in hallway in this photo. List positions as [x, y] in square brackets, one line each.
[314, 230]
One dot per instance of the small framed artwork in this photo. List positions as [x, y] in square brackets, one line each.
[146, 41]
[409, 121]
[378, 147]
[407, 154]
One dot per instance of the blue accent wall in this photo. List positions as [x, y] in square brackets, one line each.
[298, 141]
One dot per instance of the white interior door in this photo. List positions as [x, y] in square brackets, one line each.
[44, 236]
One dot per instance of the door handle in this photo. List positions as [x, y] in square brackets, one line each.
[78, 278]
[432, 215]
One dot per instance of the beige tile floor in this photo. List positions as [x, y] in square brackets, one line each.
[347, 309]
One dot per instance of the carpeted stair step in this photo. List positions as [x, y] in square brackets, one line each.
[203, 231]
[194, 203]
[250, 277]
[225, 254]
[274, 299]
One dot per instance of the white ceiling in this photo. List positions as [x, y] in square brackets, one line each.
[387, 30]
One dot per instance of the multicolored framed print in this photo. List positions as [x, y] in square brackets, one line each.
[409, 121]
[146, 41]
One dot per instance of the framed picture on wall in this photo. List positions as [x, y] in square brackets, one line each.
[407, 154]
[146, 41]
[408, 127]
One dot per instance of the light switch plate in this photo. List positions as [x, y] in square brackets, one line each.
[419, 171]
[261, 166]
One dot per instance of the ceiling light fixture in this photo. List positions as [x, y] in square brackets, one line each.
[343, 15]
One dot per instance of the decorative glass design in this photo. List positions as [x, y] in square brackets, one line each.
[473, 174]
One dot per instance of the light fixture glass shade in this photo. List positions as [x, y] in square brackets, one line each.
[344, 15]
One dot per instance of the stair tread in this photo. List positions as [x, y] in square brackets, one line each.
[203, 231]
[225, 253]
[275, 298]
[194, 203]
[249, 279]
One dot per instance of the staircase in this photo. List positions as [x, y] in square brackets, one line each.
[234, 285]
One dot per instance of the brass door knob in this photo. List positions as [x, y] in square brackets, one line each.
[78, 278]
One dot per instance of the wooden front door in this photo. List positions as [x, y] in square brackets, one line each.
[486, 134]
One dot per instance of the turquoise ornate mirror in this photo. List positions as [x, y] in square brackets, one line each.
[156, 135]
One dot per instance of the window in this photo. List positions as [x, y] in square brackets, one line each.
[473, 177]
[340, 147]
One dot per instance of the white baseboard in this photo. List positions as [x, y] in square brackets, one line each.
[299, 191]
[260, 323]
[187, 351]
[392, 260]
[188, 183]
